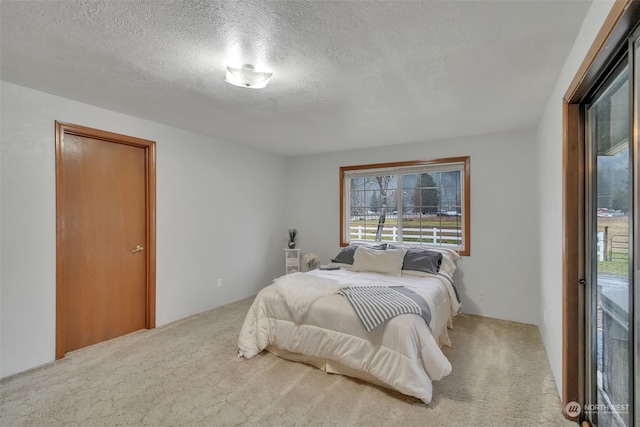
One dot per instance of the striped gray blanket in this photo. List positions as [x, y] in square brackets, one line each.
[375, 305]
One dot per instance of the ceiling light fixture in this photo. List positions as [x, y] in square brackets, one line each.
[247, 76]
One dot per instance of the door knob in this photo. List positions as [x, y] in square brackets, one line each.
[137, 249]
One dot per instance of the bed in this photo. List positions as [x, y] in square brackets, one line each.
[315, 318]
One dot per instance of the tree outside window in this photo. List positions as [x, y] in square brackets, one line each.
[410, 203]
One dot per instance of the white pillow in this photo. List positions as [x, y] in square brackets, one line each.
[379, 261]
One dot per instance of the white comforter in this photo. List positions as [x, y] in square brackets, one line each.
[301, 314]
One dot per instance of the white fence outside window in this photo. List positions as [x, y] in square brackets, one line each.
[435, 235]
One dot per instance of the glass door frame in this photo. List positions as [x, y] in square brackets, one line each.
[610, 83]
[612, 39]
[634, 146]
[630, 60]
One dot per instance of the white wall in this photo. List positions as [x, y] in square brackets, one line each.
[219, 215]
[516, 192]
[549, 136]
[504, 228]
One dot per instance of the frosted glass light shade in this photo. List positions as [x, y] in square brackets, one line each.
[247, 76]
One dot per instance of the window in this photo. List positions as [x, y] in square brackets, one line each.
[413, 203]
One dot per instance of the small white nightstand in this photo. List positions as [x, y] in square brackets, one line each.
[292, 260]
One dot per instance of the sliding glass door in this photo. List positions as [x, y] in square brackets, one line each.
[610, 219]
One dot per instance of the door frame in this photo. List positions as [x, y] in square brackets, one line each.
[606, 47]
[149, 147]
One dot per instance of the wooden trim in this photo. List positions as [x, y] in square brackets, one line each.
[60, 330]
[62, 129]
[607, 39]
[466, 250]
[407, 163]
[151, 236]
[573, 176]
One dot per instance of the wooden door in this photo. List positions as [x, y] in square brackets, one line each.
[105, 246]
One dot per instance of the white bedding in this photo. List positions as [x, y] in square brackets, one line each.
[300, 317]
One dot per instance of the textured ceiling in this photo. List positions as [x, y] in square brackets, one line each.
[347, 74]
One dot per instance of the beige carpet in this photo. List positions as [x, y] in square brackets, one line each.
[187, 374]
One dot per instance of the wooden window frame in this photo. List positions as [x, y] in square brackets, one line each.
[466, 185]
